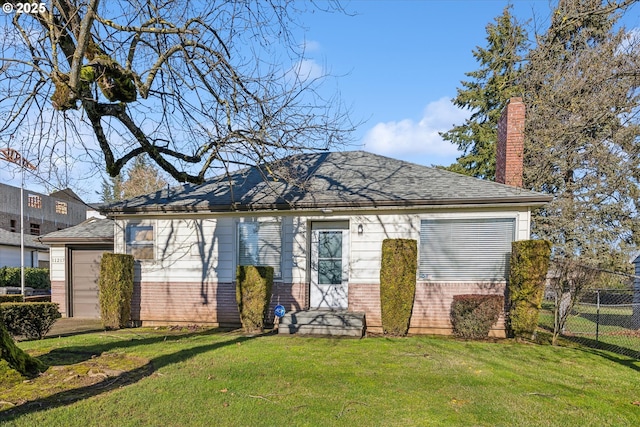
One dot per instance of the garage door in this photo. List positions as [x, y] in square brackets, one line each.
[85, 271]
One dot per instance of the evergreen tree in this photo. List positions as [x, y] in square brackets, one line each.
[580, 86]
[142, 178]
[486, 94]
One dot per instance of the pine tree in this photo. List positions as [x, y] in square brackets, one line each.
[581, 132]
[486, 94]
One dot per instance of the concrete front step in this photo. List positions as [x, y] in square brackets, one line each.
[323, 322]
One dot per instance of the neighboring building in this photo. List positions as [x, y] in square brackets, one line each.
[35, 253]
[322, 230]
[42, 214]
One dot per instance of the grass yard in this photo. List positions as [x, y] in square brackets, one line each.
[160, 377]
[610, 328]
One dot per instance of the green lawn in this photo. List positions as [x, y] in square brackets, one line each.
[147, 377]
[614, 332]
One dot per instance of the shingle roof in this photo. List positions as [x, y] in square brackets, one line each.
[93, 230]
[351, 179]
[8, 238]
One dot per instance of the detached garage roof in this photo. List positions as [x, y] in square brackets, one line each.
[352, 179]
[93, 230]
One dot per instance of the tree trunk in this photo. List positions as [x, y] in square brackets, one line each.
[18, 359]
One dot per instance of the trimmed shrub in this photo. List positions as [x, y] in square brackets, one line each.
[36, 278]
[253, 293]
[29, 319]
[15, 357]
[10, 298]
[527, 278]
[472, 316]
[115, 290]
[398, 284]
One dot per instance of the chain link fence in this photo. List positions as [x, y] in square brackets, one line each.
[608, 319]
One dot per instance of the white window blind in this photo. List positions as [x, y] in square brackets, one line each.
[465, 249]
[260, 244]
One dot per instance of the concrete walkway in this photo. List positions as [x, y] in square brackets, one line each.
[74, 325]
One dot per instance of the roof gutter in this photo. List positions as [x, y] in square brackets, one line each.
[531, 201]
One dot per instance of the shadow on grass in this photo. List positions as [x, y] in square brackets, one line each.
[111, 383]
[75, 354]
[594, 345]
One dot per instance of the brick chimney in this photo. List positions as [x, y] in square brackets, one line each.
[510, 144]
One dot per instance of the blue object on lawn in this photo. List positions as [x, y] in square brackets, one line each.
[279, 311]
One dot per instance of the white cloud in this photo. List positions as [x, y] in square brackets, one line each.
[311, 46]
[418, 142]
[308, 70]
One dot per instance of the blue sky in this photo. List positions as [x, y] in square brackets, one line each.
[398, 65]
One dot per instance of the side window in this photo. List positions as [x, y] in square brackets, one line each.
[140, 241]
[260, 243]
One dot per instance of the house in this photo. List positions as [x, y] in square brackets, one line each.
[320, 219]
[35, 253]
[42, 214]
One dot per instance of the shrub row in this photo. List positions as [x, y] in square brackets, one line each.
[10, 298]
[30, 319]
[473, 316]
[36, 278]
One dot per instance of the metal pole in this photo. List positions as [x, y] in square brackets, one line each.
[22, 233]
[597, 314]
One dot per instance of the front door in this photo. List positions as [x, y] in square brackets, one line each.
[329, 265]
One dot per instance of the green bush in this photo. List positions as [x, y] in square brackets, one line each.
[29, 319]
[398, 284]
[253, 293]
[472, 316]
[115, 289]
[36, 278]
[527, 279]
[10, 298]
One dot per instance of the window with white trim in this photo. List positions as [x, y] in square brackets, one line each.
[465, 249]
[140, 241]
[260, 244]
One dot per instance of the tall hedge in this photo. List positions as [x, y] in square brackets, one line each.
[36, 278]
[253, 293]
[115, 289]
[527, 278]
[398, 284]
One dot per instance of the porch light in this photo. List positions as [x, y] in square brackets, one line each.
[360, 229]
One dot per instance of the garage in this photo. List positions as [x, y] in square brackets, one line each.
[75, 255]
[85, 273]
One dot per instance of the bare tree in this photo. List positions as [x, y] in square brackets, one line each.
[197, 86]
[568, 281]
